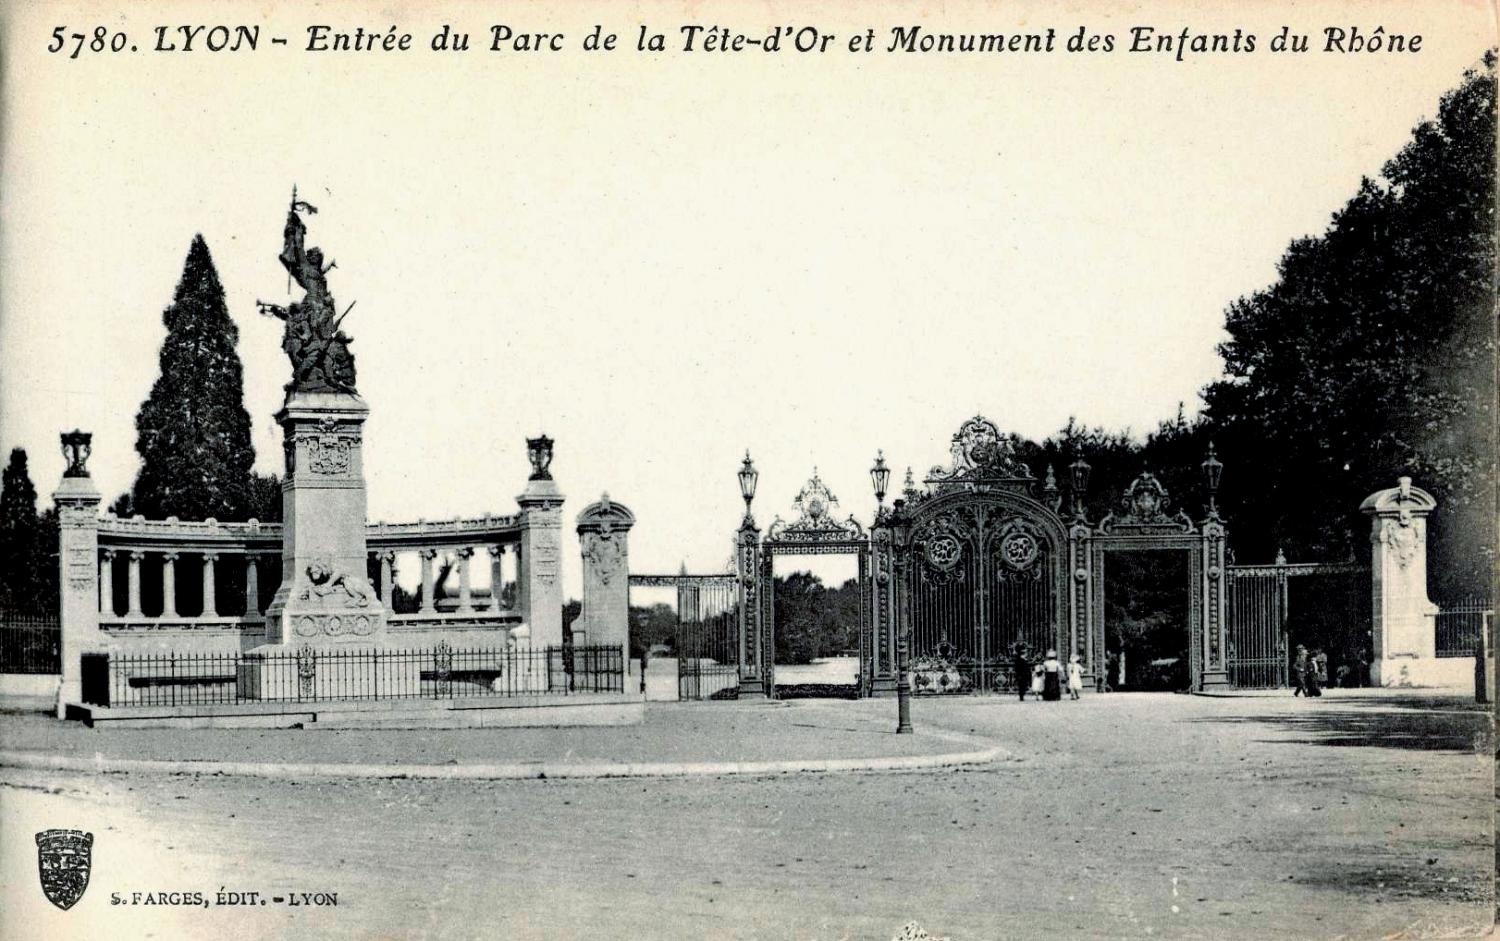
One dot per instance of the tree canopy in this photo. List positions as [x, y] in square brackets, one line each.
[28, 544]
[1373, 357]
[193, 433]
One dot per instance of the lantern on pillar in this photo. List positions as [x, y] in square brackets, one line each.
[1080, 471]
[1212, 471]
[748, 476]
[880, 479]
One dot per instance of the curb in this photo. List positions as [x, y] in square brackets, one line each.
[505, 772]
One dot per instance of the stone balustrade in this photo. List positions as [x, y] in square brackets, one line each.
[142, 565]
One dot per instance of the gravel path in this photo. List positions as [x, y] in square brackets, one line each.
[1128, 816]
[686, 732]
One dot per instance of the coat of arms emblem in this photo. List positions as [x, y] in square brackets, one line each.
[63, 858]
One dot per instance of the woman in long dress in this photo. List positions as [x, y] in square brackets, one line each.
[1052, 677]
[1075, 676]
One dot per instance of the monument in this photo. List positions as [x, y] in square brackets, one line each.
[325, 597]
[1403, 632]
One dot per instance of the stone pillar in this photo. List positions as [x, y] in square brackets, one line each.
[107, 584]
[539, 579]
[325, 595]
[77, 505]
[210, 602]
[388, 579]
[252, 584]
[1403, 629]
[754, 671]
[133, 584]
[169, 586]
[603, 529]
[497, 576]
[465, 597]
[429, 581]
[1215, 606]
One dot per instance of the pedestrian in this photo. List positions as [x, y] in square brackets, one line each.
[1299, 671]
[1021, 667]
[1052, 677]
[1317, 672]
[1038, 684]
[1075, 676]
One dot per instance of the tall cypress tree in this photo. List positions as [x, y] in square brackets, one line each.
[23, 553]
[193, 433]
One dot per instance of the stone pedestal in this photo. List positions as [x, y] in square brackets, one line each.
[603, 529]
[539, 584]
[78, 558]
[325, 597]
[1403, 625]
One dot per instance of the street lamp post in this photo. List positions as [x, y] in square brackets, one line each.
[903, 619]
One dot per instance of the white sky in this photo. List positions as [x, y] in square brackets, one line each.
[663, 261]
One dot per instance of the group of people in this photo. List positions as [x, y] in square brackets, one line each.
[1309, 671]
[1049, 677]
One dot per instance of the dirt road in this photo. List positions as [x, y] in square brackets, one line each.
[1127, 816]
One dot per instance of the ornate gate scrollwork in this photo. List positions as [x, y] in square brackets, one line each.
[814, 531]
[986, 563]
[1018, 548]
[1144, 522]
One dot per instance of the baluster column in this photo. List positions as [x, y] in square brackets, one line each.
[210, 604]
[388, 579]
[252, 584]
[134, 584]
[428, 582]
[107, 584]
[169, 584]
[465, 599]
[497, 577]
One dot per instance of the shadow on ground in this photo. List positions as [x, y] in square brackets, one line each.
[1417, 724]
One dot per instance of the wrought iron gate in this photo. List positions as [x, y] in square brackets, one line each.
[981, 568]
[815, 531]
[708, 638]
[1273, 608]
[706, 642]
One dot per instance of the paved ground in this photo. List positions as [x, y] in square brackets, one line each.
[1127, 816]
[687, 732]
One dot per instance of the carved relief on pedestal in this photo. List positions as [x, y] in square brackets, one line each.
[330, 448]
[333, 604]
[1400, 535]
[604, 552]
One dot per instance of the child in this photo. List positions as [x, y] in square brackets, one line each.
[1075, 676]
[1037, 680]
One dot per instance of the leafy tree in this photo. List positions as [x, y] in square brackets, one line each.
[652, 625]
[264, 498]
[813, 620]
[28, 543]
[193, 431]
[1373, 357]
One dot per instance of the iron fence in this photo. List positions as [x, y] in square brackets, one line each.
[332, 675]
[30, 643]
[1462, 627]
